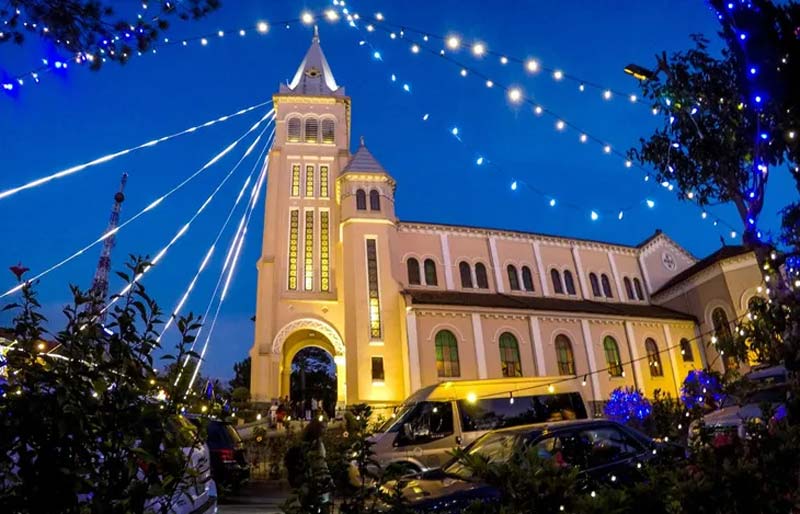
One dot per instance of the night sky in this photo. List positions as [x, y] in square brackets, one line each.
[79, 115]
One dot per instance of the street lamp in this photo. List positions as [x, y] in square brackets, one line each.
[640, 72]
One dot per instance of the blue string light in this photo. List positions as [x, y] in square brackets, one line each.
[625, 405]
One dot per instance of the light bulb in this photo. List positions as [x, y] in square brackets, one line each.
[633, 98]
[370, 28]
[504, 60]
[651, 203]
[532, 65]
[241, 32]
[463, 72]
[620, 215]
[584, 138]
[538, 110]
[489, 83]
[453, 42]
[594, 216]
[551, 388]
[331, 15]
[478, 49]
[204, 41]
[414, 49]
[379, 16]
[479, 161]
[454, 131]
[552, 202]
[628, 164]
[515, 94]
[514, 186]
[607, 94]
[558, 74]
[560, 125]
[607, 149]
[307, 18]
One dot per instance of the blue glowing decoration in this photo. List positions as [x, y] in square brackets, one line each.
[700, 388]
[758, 99]
[742, 36]
[626, 405]
[753, 70]
[764, 135]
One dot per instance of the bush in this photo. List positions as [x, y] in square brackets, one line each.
[80, 428]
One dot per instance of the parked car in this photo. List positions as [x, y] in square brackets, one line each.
[768, 385]
[604, 451]
[229, 466]
[440, 417]
[197, 492]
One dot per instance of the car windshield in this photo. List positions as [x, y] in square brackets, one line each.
[496, 447]
[397, 418]
[768, 395]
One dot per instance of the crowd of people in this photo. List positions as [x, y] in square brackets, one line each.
[284, 409]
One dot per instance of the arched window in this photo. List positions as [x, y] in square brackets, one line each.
[569, 282]
[613, 361]
[412, 265]
[312, 130]
[430, 272]
[686, 350]
[527, 279]
[374, 200]
[361, 200]
[595, 284]
[639, 291]
[481, 277]
[653, 358]
[564, 355]
[513, 278]
[722, 329]
[328, 131]
[606, 286]
[509, 355]
[447, 354]
[555, 276]
[293, 127]
[466, 274]
[628, 288]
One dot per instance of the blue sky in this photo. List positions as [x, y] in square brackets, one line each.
[79, 115]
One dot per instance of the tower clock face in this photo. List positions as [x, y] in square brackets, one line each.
[668, 261]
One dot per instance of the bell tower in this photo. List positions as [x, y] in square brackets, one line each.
[298, 283]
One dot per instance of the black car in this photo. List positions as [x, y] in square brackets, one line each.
[604, 451]
[229, 467]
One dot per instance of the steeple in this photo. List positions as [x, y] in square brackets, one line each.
[314, 76]
[363, 161]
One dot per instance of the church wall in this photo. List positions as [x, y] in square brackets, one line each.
[420, 246]
[493, 326]
[472, 250]
[550, 328]
[518, 253]
[652, 258]
[429, 323]
[560, 258]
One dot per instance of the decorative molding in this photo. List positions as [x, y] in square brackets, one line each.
[480, 349]
[576, 257]
[316, 325]
[615, 274]
[592, 357]
[633, 349]
[498, 277]
[414, 363]
[448, 264]
[538, 347]
[539, 266]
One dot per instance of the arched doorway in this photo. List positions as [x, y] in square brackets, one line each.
[312, 381]
[310, 333]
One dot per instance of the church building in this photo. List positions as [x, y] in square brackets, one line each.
[404, 304]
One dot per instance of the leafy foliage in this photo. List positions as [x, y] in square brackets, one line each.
[92, 27]
[241, 374]
[80, 428]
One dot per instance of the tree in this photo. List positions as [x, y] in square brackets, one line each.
[241, 374]
[91, 29]
[90, 429]
[313, 376]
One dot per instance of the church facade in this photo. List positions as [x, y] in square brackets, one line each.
[400, 305]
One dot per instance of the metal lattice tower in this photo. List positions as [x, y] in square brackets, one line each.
[100, 281]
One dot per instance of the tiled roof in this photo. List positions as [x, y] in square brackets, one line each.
[363, 160]
[314, 75]
[726, 252]
[538, 303]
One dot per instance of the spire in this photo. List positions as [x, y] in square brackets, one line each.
[363, 161]
[314, 75]
[100, 282]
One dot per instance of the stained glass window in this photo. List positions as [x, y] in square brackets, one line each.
[653, 358]
[509, 356]
[372, 287]
[309, 180]
[308, 255]
[323, 182]
[447, 354]
[612, 356]
[295, 180]
[564, 355]
[294, 222]
[324, 252]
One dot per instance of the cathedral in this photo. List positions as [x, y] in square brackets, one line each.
[400, 305]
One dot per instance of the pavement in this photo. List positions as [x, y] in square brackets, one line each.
[263, 497]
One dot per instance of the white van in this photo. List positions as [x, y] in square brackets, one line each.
[437, 418]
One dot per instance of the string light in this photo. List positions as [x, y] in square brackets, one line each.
[478, 49]
[176, 311]
[453, 43]
[515, 95]
[532, 65]
[150, 207]
[112, 156]
[307, 18]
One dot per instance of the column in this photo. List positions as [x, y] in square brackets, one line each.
[539, 266]
[448, 265]
[414, 366]
[576, 257]
[498, 277]
[538, 348]
[638, 380]
[480, 350]
[614, 272]
[645, 275]
[587, 341]
[672, 360]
